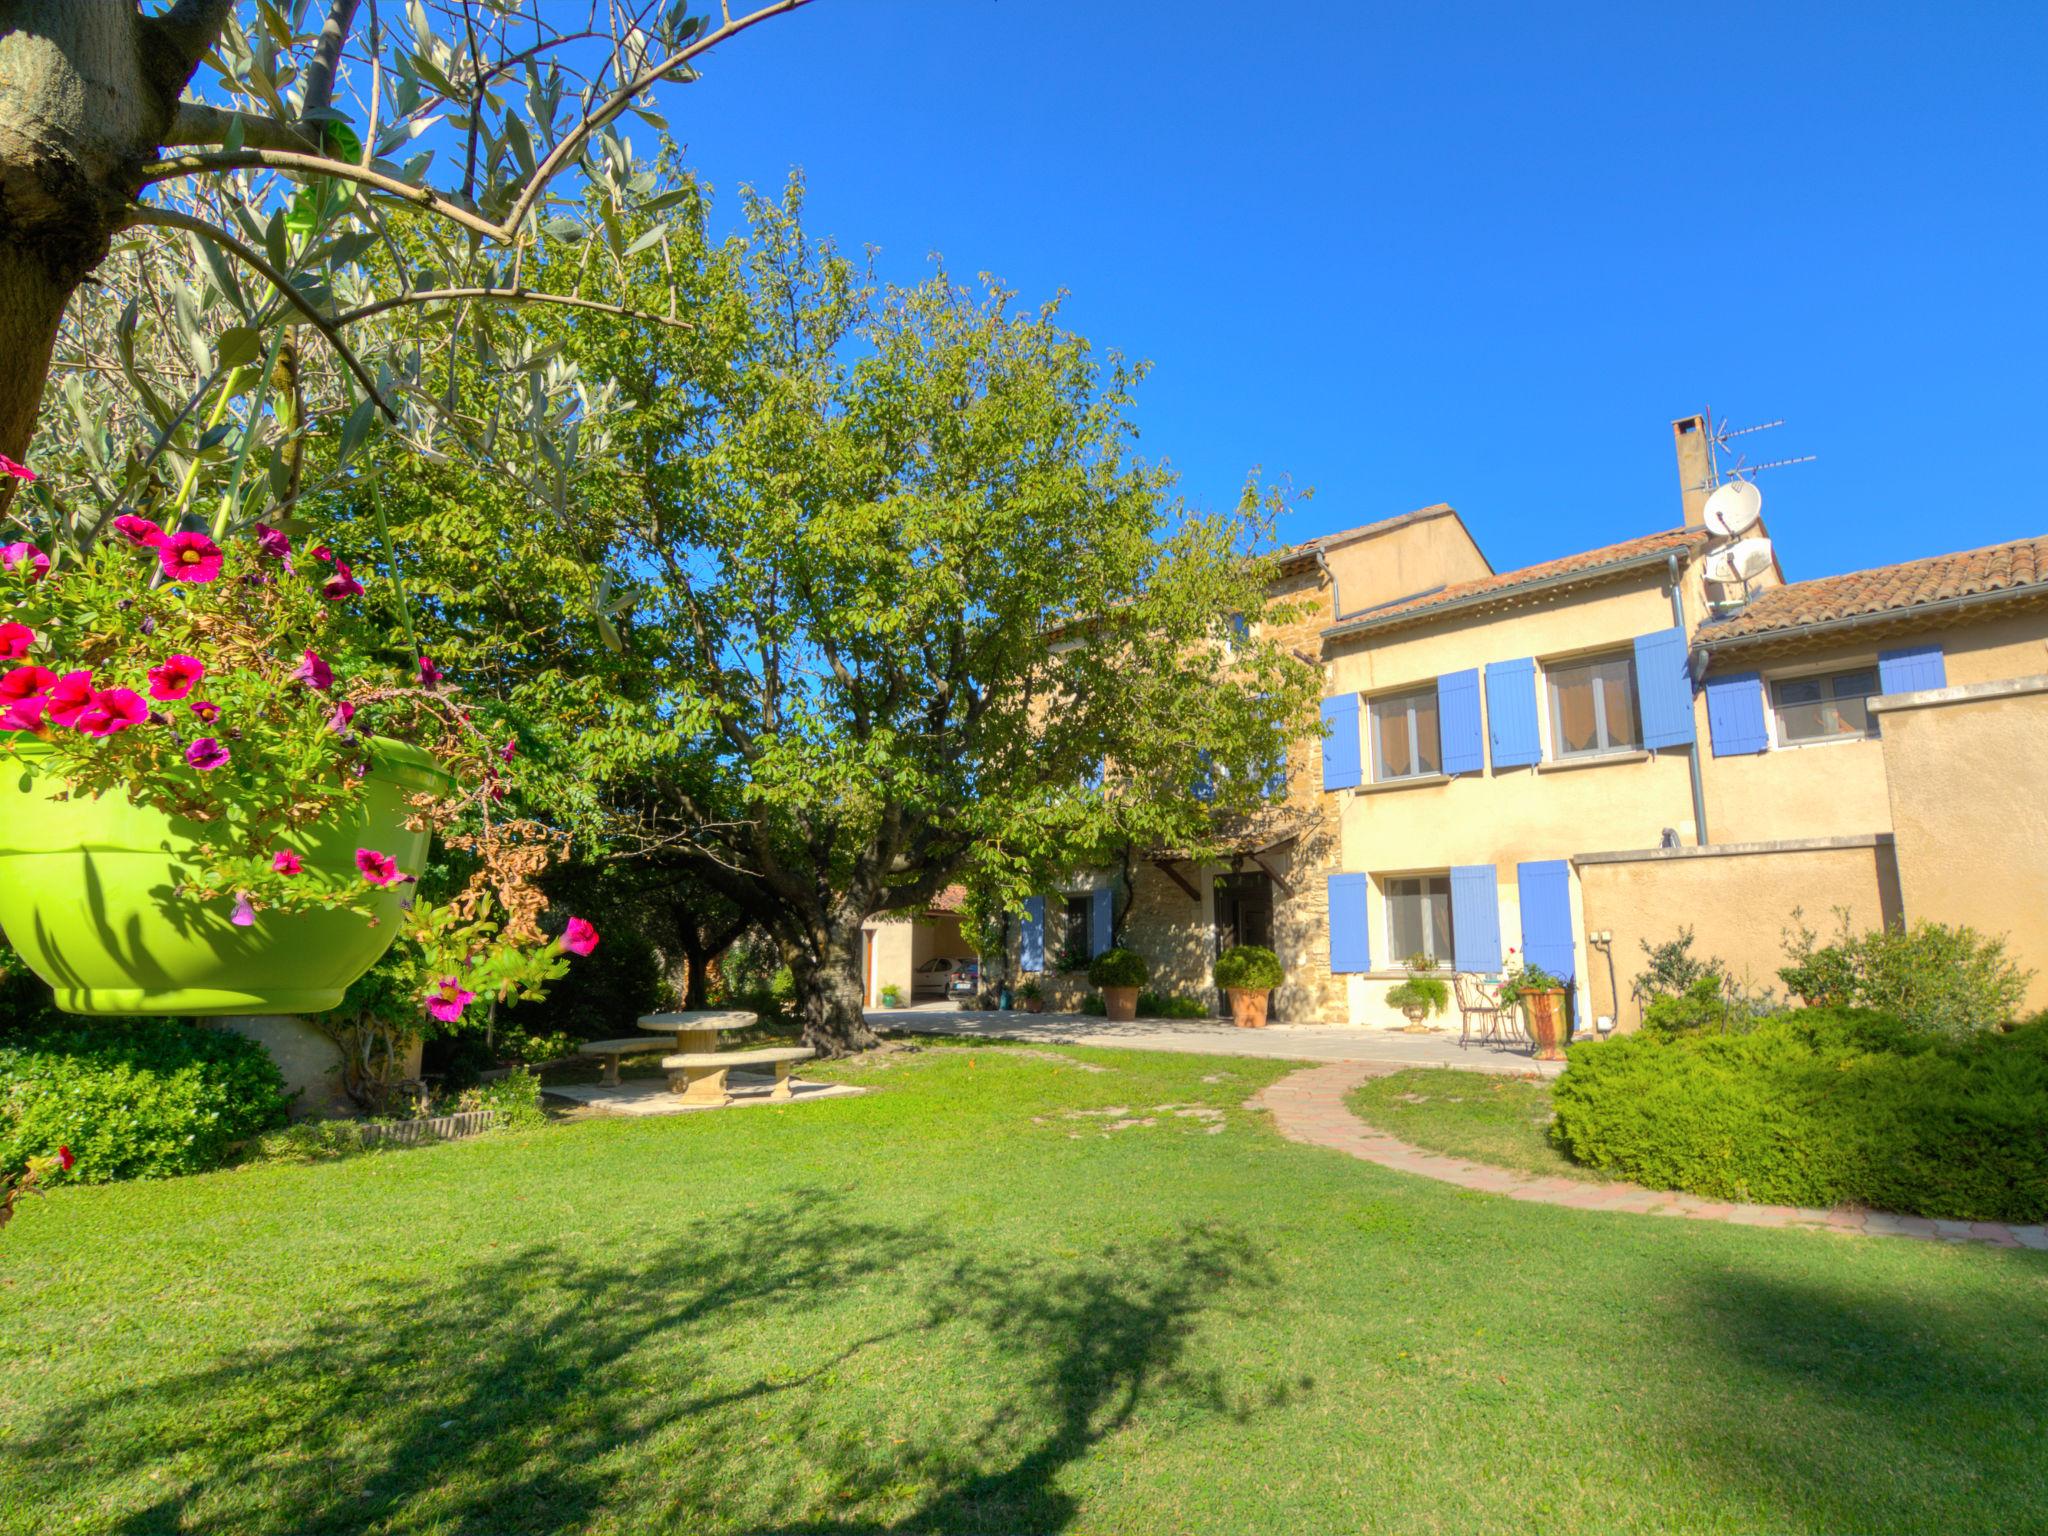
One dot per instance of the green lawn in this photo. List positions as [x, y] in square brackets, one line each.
[1481, 1115]
[1001, 1293]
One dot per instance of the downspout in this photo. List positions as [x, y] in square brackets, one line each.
[1699, 790]
[1336, 597]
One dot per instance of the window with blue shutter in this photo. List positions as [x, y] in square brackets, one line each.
[1100, 911]
[1546, 893]
[1735, 714]
[1203, 785]
[1341, 756]
[1350, 942]
[1664, 689]
[1031, 950]
[1475, 917]
[1511, 713]
[1457, 705]
[1911, 669]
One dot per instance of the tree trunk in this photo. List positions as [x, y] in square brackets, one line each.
[825, 966]
[696, 979]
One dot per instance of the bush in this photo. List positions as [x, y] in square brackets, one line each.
[892, 996]
[1118, 968]
[603, 994]
[1094, 1004]
[1425, 992]
[1703, 1009]
[1248, 968]
[1165, 1005]
[134, 1099]
[1820, 1107]
[1953, 981]
[515, 1096]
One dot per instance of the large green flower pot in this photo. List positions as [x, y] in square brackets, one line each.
[88, 897]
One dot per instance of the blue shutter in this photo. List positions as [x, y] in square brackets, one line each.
[1100, 902]
[1664, 689]
[1475, 917]
[1457, 713]
[1735, 714]
[1911, 669]
[1031, 952]
[1203, 785]
[1511, 713]
[1341, 757]
[1546, 891]
[1350, 942]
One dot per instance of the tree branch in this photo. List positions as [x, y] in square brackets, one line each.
[191, 27]
[505, 296]
[173, 166]
[198, 123]
[326, 60]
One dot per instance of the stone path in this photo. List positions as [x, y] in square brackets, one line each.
[1308, 1106]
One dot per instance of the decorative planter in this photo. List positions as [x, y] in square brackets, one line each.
[1121, 1003]
[1545, 1013]
[1248, 1007]
[1415, 1013]
[88, 898]
[1032, 1005]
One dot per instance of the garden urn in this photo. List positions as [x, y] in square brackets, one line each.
[1248, 1007]
[1121, 1003]
[1545, 1013]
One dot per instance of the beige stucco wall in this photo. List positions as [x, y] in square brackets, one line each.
[1968, 771]
[1737, 899]
[1434, 550]
[891, 950]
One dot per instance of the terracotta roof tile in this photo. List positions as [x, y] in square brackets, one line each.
[2014, 567]
[951, 899]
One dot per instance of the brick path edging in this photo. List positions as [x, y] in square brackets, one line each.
[1308, 1106]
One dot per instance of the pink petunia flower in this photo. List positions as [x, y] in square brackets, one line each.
[579, 938]
[175, 677]
[140, 531]
[314, 673]
[377, 868]
[15, 640]
[431, 676]
[343, 712]
[244, 915]
[323, 554]
[341, 584]
[205, 709]
[448, 998]
[206, 754]
[13, 554]
[25, 714]
[189, 557]
[69, 697]
[25, 682]
[274, 542]
[112, 711]
[285, 862]
[510, 750]
[20, 472]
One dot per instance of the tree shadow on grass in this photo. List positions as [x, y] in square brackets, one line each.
[1884, 1412]
[545, 1390]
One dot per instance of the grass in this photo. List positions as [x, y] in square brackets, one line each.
[1481, 1115]
[1009, 1291]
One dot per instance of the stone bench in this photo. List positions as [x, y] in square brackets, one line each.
[699, 1076]
[612, 1052]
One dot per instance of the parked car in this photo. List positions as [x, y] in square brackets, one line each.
[933, 978]
[963, 983]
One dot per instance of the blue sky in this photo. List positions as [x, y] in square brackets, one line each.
[1476, 253]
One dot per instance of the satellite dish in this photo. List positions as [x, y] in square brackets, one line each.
[1733, 509]
[1719, 568]
[1751, 557]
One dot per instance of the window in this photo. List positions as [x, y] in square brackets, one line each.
[1405, 743]
[1074, 929]
[1419, 918]
[1593, 707]
[1835, 707]
[1244, 911]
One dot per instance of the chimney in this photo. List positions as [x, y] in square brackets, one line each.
[1695, 448]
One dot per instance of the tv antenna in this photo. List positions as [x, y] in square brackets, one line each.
[1723, 436]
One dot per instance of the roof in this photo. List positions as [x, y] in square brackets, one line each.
[1308, 549]
[1587, 566]
[951, 899]
[2018, 569]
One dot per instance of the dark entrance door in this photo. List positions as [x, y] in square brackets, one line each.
[1244, 911]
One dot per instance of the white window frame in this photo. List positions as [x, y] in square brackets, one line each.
[1781, 742]
[1372, 733]
[1553, 750]
[1397, 955]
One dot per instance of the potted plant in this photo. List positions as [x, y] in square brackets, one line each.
[1541, 996]
[1420, 995]
[1118, 974]
[892, 995]
[1031, 997]
[1248, 974]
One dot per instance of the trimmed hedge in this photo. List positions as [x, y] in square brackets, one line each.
[1821, 1107]
[134, 1098]
[1118, 968]
[1249, 968]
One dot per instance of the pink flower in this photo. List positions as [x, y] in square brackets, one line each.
[140, 531]
[112, 711]
[189, 557]
[13, 555]
[430, 675]
[344, 712]
[448, 998]
[205, 709]
[579, 938]
[24, 683]
[206, 754]
[341, 584]
[15, 640]
[274, 542]
[244, 915]
[378, 868]
[24, 714]
[66, 1159]
[323, 554]
[175, 677]
[20, 471]
[285, 862]
[69, 697]
[508, 751]
[314, 673]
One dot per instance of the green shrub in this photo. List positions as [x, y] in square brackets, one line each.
[1166, 1005]
[892, 996]
[1094, 1004]
[515, 1096]
[1820, 1107]
[1248, 968]
[1704, 1008]
[134, 1099]
[1425, 992]
[602, 994]
[1118, 968]
[1953, 981]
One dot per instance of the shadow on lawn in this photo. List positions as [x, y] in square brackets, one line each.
[543, 1390]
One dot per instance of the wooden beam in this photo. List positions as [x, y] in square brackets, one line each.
[1273, 874]
[1165, 867]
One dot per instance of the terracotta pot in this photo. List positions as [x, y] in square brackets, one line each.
[1121, 1003]
[1545, 1013]
[1032, 1005]
[1248, 1007]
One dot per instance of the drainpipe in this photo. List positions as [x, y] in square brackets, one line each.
[1699, 790]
